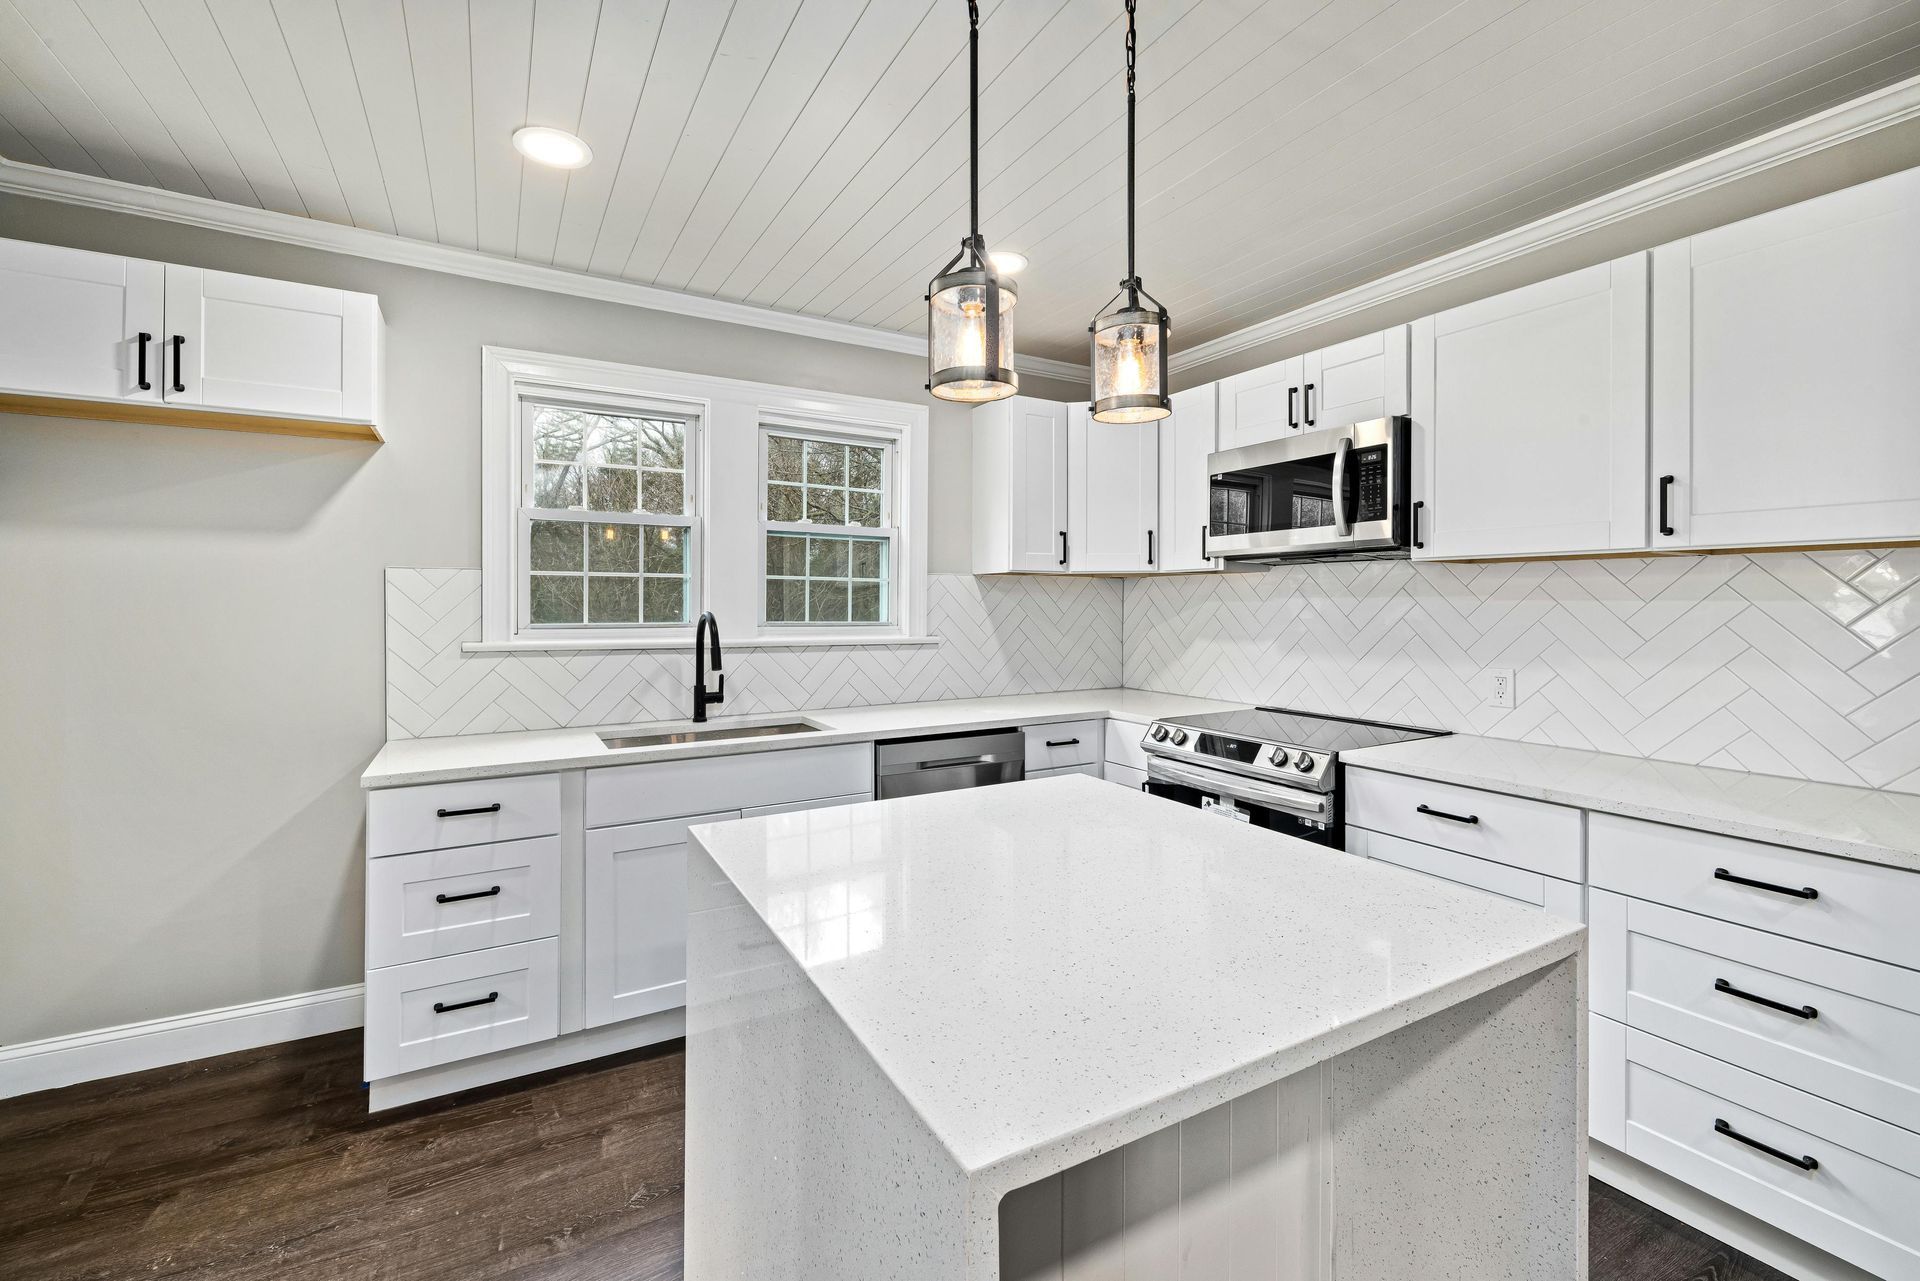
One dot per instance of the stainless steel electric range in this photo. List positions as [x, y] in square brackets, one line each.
[1270, 766]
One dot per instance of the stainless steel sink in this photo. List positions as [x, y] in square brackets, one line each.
[705, 734]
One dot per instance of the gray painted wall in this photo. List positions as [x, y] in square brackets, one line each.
[193, 630]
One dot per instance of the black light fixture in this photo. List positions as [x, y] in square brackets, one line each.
[969, 321]
[1129, 355]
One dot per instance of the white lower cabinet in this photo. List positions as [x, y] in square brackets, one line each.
[438, 902]
[636, 918]
[427, 1013]
[1091, 770]
[1562, 898]
[1061, 744]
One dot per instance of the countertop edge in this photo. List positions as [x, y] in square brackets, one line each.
[1705, 819]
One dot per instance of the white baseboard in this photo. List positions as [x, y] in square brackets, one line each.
[134, 1047]
[504, 1065]
[1750, 1236]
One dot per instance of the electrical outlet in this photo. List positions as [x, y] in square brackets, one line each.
[1500, 687]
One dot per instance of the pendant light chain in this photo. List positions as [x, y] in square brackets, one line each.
[1132, 282]
[973, 128]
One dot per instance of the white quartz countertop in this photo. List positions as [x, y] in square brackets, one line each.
[1047, 969]
[405, 762]
[1853, 822]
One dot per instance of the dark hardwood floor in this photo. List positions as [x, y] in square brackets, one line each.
[266, 1164]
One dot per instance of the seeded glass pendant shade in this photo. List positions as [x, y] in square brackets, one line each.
[969, 305]
[1129, 341]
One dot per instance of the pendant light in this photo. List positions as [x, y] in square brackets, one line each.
[1130, 342]
[969, 320]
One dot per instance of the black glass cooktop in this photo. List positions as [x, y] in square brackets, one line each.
[1299, 729]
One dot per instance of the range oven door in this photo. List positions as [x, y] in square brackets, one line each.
[1316, 493]
[1311, 816]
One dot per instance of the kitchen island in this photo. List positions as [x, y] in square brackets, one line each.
[1058, 1028]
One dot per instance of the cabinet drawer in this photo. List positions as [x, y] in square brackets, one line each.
[1672, 975]
[1857, 1203]
[674, 789]
[1069, 743]
[1858, 907]
[1506, 829]
[490, 1000]
[1123, 745]
[438, 902]
[1125, 775]
[401, 820]
[1562, 898]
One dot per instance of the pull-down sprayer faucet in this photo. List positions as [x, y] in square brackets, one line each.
[706, 641]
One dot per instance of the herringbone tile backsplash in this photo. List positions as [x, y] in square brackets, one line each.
[998, 636]
[1805, 665]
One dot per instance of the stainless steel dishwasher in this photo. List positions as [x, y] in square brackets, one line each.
[942, 763]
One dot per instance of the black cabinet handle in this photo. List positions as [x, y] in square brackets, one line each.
[1063, 742]
[1806, 892]
[1307, 402]
[178, 343]
[1203, 543]
[1457, 818]
[1416, 524]
[1293, 419]
[1149, 547]
[1666, 487]
[1063, 547]
[461, 898]
[1798, 1011]
[1804, 1162]
[145, 385]
[488, 999]
[478, 809]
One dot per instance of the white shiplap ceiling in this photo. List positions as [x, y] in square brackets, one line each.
[809, 155]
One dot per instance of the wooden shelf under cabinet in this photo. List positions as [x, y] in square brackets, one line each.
[112, 411]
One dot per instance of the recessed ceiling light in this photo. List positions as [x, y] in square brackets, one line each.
[554, 147]
[1007, 262]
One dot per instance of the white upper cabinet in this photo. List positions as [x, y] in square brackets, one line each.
[1186, 438]
[247, 345]
[1785, 374]
[1262, 404]
[1113, 498]
[1535, 407]
[1020, 487]
[71, 323]
[1351, 382]
[259, 354]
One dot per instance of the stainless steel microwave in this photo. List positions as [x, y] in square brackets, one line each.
[1320, 495]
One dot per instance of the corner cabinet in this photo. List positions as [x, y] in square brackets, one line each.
[1113, 495]
[1535, 409]
[86, 335]
[1020, 487]
[1784, 375]
[1186, 438]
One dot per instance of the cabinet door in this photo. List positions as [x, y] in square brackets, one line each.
[1185, 485]
[270, 346]
[1113, 472]
[1020, 487]
[71, 321]
[1539, 420]
[1261, 404]
[634, 958]
[1784, 374]
[1355, 381]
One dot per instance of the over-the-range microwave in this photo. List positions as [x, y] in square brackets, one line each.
[1336, 494]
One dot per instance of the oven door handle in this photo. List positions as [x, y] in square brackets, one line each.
[1342, 524]
[1290, 799]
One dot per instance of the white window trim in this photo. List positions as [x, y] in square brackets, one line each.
[852, 434]
[726, 486]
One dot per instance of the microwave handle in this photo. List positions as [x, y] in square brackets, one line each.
[1342, 525]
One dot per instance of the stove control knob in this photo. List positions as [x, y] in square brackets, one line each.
[1179, 738]
[1279, 756]
[1159, 733]
[1303, 762]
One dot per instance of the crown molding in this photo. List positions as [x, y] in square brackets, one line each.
[311, 233]
[1869, 113]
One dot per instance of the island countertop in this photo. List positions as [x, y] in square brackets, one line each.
[1046, 969]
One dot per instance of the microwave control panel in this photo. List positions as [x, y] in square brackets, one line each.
[1367, 469]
